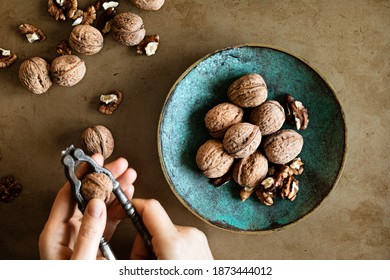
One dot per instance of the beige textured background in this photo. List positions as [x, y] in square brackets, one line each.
[347, 41]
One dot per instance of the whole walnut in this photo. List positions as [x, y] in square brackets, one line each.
[67, 70]
[248, 172]
[96, 185]
[269, 116]
[34, 74]
[98, 139]
[86, 39]
[221, 117]
[148, 5]
[242, 139]
[283, 146]
[248, 91]
[213, 160]
[128, 28]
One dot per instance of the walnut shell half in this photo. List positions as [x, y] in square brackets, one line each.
[242, 139]
[213, 160]
[34, 74]
[283, 146]
[248, 91]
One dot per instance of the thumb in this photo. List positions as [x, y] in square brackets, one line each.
[91, 230]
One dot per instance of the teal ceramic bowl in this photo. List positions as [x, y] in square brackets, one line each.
[182, 131]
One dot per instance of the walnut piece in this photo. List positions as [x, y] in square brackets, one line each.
[98, 139]
[7, 58]
[9, 188]
[103, 23]
[32, 33]
[96, 185]
[105, 4]
[85, 17]
[63, 48]
[110, 102]
[296, 113]
[62, 9]
[149, 45]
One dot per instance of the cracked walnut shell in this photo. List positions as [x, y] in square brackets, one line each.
[269, 116]
[96, 185]
[34, 74]
[221, 117]
[248, 91]
[67, 70]
[213, 160]
[98, 139]
[283, 146]
[86, 39]
[128, 29]
[242, 139]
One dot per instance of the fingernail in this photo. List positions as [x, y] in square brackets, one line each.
[95, 207]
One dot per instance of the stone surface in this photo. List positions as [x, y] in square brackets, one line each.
[347, 41]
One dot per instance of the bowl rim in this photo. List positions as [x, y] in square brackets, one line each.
[159, 148]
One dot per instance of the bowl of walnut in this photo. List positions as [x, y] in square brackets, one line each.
[251, 138]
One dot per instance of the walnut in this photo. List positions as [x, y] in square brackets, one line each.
[269, 116]
[296, 113]
[212, 159]
[265, 197]
[32, 33]
[98, 139]
[110, 102]
[103, 23]
[148, 5]
[149, 45]
[67, 70]
[248, 91]
[9, 188]
[128, 29]
[242, 139]
[86, 39]
[96, 185]
[249, 172]
[296, 166]
[7, 58]
[221, 117]
[85, 17]
[34, 75]
[63, 48]
[62, 9]
[283, 146]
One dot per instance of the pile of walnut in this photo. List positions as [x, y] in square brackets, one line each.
[86, 38]
[256, 153]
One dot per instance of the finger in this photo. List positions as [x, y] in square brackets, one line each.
[155, 217]
[139, 251]
[91, 230]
